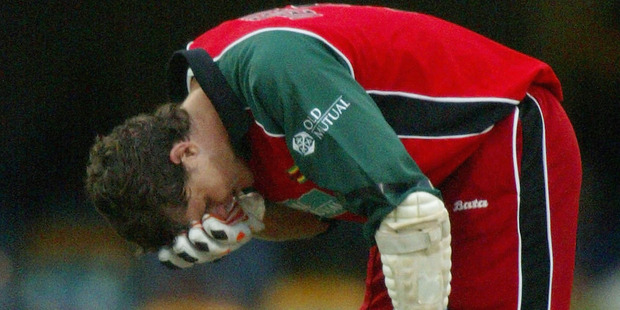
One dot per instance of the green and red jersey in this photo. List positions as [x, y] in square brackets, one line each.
[354, 107]
[345, 98]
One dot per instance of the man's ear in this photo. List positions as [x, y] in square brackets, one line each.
[181, 150]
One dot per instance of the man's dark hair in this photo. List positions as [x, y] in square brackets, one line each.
[132, 182]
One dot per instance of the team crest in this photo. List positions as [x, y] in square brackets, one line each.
[291, 13]
[303, 143]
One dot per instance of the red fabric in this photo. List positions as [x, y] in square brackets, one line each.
[376, 297]
[564, 172]
[439, 59]
[403, 51]
[485, 240]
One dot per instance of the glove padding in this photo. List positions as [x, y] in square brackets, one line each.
[214, 237]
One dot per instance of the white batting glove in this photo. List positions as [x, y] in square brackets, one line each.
[214, 238]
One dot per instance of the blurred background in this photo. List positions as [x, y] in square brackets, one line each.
[72, 69]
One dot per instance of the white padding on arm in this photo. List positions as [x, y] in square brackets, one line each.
[414, 242]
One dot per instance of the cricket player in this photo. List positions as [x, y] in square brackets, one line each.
[453, 150]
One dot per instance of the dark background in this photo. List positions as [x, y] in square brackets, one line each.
[70, 70]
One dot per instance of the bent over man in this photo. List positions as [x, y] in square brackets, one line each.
[453, 150]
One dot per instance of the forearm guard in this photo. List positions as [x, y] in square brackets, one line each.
[414, 242]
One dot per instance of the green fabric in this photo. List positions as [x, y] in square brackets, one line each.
[288, 79]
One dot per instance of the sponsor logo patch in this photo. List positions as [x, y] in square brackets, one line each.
[317, 202]
[303, 143]
[317, 124]
[461, 205]
[291, 13]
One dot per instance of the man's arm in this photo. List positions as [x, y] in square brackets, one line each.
[340, 140]
[283, 223]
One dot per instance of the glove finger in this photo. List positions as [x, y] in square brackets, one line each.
[169, 259]
[231, 234]
[188, 252]
[206, 243]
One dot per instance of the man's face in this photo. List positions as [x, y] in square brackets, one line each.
[214, 173]
[212, 182]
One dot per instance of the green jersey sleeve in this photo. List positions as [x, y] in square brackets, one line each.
[300, 88]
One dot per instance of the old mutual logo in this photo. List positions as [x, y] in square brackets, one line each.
[303, 143]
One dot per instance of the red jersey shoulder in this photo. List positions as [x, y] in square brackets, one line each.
[393, 50]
